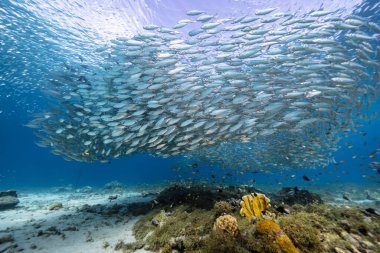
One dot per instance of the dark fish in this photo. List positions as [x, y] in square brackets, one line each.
[193, 166]
[372, 155]
[112, 197]
[305, 178]
[283, 209]
[372, 211]
[344, 196]
[369, 197]
[375, 165]
[287, 191]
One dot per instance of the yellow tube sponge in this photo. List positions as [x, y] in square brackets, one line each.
[274, 237]
[254, 205]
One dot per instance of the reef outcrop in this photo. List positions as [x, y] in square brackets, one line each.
[8, 199]
[294, 195]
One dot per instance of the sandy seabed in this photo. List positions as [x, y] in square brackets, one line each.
[74, 228]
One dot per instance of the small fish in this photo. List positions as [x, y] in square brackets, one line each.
[372, 155]
[345, 197]
[194, 12]
[264, 11]
[113, 197]
[305, 178]
[370, 210]
[375, 165]
[193, 166]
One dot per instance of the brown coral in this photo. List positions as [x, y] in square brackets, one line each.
[222, 207]
[227, 223]
[274, 237]
[254, 205]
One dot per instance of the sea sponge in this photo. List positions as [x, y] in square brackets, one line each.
[274, 237]
[226, 223]
[254, 205]
[222, 207]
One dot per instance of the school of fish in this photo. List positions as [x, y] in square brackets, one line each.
[269, 89]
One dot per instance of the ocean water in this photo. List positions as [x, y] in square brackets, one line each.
[57, 57]
[38, 38]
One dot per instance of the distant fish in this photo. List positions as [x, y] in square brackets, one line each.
[112, 197]
[305, 178]
[375, 165]
[262, 97]
[369, 197]
[344, 196]
[193, 166]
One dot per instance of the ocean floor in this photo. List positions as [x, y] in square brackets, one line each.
[182, 218]
[88, 221]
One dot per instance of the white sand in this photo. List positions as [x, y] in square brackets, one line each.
[33, 215]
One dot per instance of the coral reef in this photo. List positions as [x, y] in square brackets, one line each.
[273, 237]
[183, 221]
[193, 220]
[304, 230]
[228, 224]
[254, 205]
[200, 196]
[293, 195]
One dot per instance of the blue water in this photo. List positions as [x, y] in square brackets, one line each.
[36, 39]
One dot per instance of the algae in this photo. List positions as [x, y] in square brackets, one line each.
[188, 227]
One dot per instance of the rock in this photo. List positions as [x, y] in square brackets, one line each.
[33, 246]
[8, 199]
[6, 238]
[11, 193]
[105, 245]
[71, 228]
[55, 206]
[155, 222]
[89, 237]
[339, 250]
[8, 247]
[85, 189]
[50, 231]
[62, 189]
[139, 208]
[177, 243]
[114, 186]
[293, 195]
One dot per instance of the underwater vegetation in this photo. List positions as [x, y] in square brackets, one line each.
[220, 227]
